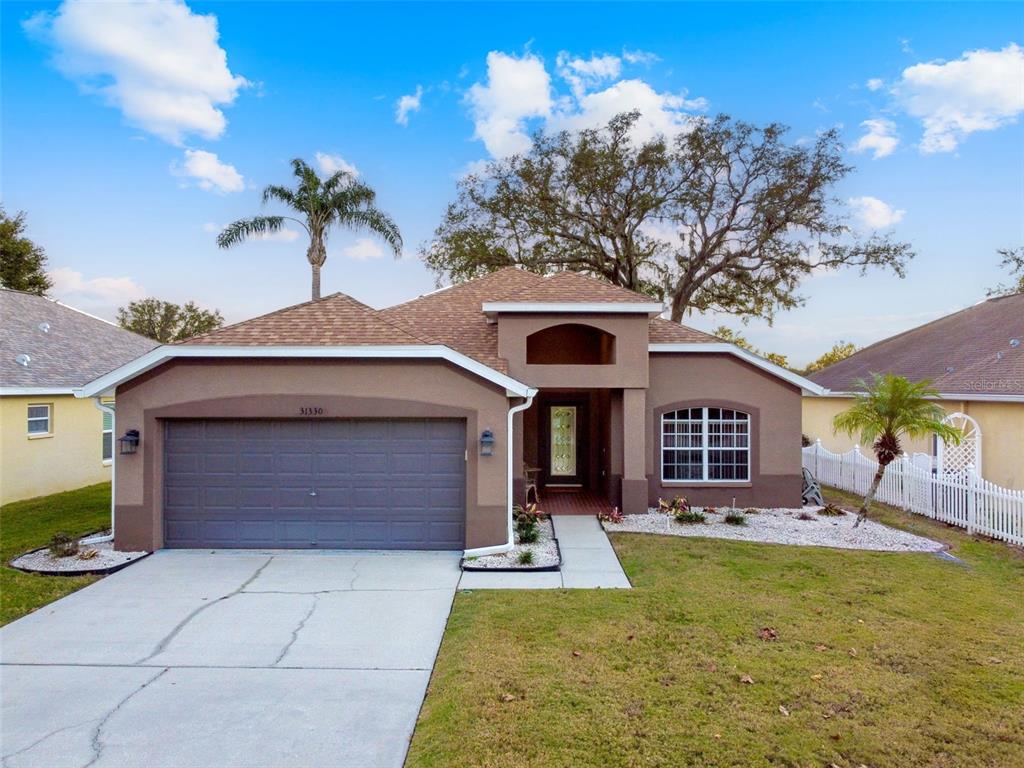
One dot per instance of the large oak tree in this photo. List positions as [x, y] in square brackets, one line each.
[725, 216]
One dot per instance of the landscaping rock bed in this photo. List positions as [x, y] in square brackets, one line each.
[783, 526]
[106, 560]
[546, 555]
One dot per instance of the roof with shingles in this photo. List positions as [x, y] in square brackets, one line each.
[968, 352]
[450, 316]
[75, 349]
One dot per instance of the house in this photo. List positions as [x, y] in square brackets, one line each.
[331, 424]
[975, 359]
[52, 441]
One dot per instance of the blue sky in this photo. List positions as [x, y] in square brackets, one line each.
[130, 132]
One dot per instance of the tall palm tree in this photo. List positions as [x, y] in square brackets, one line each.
[340, 200]
[887, 410]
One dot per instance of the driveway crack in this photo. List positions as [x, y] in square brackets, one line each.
[43, 738]
[295, 632]
[97, 734]
[162, 645]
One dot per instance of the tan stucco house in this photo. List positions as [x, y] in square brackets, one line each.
[332, 424]
[974, 358]
[50, 440]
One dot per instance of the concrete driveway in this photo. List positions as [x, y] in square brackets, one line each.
[193, 658]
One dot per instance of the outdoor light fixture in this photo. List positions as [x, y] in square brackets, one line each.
[487, 443]
[129, 443]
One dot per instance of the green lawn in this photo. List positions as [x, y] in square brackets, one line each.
[880, 660]
[29, 524]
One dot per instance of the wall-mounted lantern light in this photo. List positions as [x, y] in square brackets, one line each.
[487, 443]
[129, 443]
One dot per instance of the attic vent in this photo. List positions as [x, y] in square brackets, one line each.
[23, 360]
[949, 369]
[999, 355]
[1014, 343]
[44, 327]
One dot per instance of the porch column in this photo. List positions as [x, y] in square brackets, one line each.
[634, 474]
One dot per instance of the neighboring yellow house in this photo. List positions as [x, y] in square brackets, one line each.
[50, 440]
[975, 358]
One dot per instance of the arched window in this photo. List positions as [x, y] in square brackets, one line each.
[705, 444]
[570, 344]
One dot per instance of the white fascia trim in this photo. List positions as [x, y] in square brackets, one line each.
[808, 386]
[35, 391]
[651, 308]
[105, 384]
[969, 396]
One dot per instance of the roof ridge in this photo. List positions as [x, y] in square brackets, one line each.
[598, 281]
[278, 311]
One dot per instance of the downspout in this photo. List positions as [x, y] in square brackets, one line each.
[113, 472]
[501, 548]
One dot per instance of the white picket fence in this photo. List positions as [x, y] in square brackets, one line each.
[959, 498]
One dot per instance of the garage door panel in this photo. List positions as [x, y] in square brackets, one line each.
[378, 483]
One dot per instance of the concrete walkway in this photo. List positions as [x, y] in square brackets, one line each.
[588, 562]
[234, 659]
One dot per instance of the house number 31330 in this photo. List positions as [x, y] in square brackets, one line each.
[313, 410]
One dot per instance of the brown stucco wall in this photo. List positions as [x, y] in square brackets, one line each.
[628, 370]
[688, 380]
[278, 389]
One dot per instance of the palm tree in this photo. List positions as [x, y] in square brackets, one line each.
[339, 200]
[886, 410]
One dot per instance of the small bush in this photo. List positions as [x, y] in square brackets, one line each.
[526, 523]
[805, 441]
[831, 510]
[613, 516]
[525, 557]
[805, 516]
[673, 507]
[63, 545]
[751, 511]
[690, 516]
[710, 510]
[527, 534]
[734, 517]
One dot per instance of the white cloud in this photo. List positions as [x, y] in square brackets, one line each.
[879, 138]
[639, 57]
[516, 89]
[331, 164]
[519, 96]
[981, 91]
[661, 114]
[364, 248]
[157, 62]
[873, 213]
[209, 172]
[875, 83]
[584, 74]
[72, 286]
[406, 104]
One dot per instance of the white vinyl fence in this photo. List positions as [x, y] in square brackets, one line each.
[959, 498]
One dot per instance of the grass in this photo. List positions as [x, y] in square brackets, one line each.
[29, 524]
[880, 660]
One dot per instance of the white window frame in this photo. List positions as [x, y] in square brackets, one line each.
[705, 448]
[48, 418]
[107, 460]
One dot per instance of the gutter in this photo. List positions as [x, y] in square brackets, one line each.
[499, 549]
[113, 472]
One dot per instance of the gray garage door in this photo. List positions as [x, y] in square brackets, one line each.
[330, 484]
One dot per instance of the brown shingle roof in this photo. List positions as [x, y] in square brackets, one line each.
[451, 316]
[968, 352]
[335, 320]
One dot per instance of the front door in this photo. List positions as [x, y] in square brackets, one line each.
[565, 433]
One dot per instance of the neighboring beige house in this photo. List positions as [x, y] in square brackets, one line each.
[975, 358]
[50, 440]
[331, 424]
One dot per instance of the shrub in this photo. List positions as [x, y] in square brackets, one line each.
[805, 516]
[710, 510]
[613, 516]
[805, 441]
[63, 545]
[674, 507]
[831, 510]
[525, 557]
[751, 511]
[734, 517]
[689, 516]
[526, 523]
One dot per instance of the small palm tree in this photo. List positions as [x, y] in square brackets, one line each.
[339, 200]
[886, 410]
